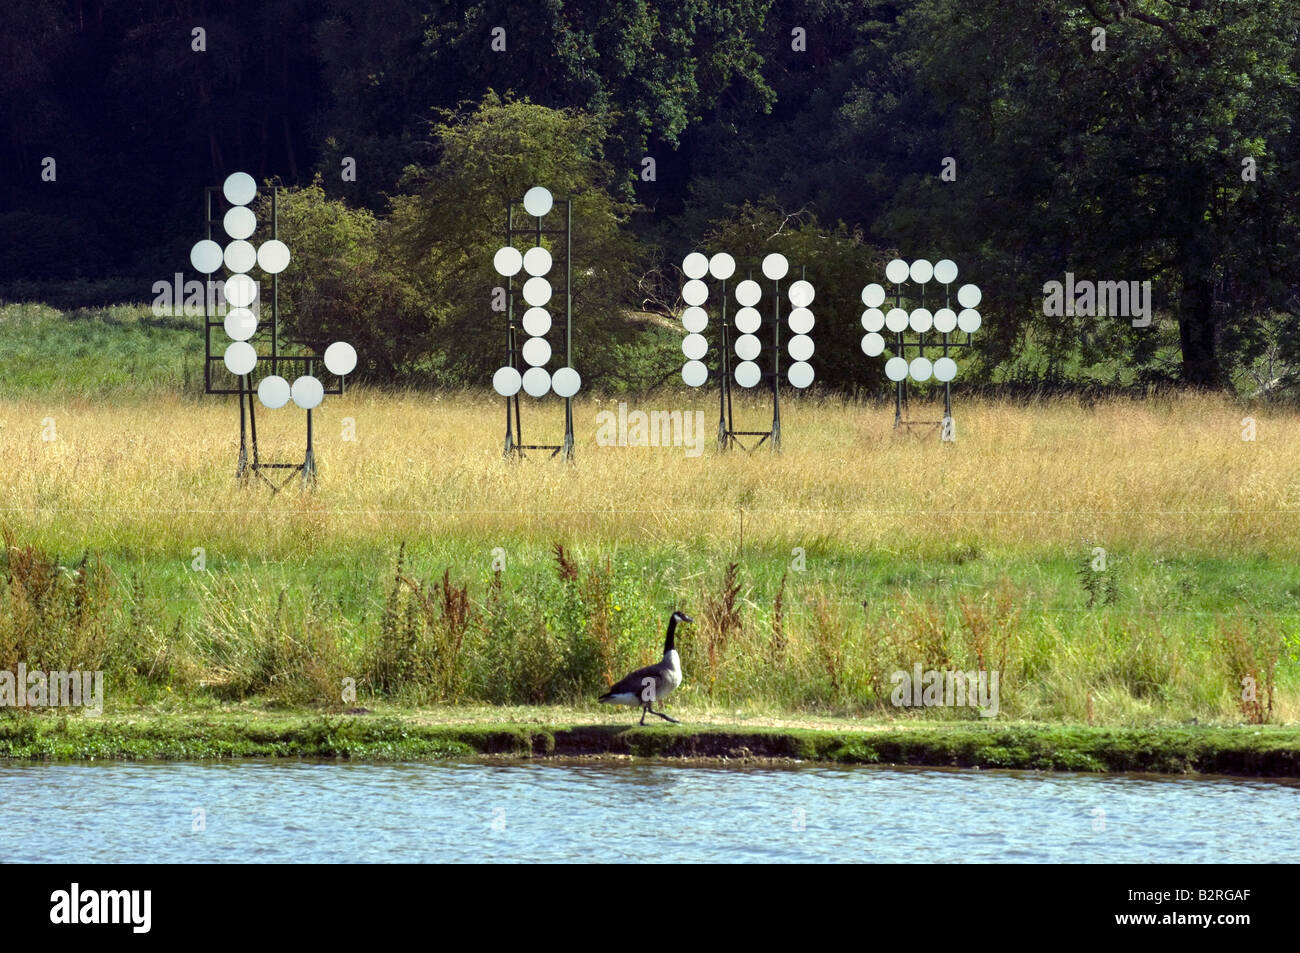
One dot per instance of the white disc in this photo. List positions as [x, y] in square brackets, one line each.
[968, 321]
[507, 261]
[240, 257]
[747, 347]
[695, 292]
[921, 271]
[240, 324]
[873, 345]
[748, 374]
[873, 319]
[800, 374]
[873, 296]
[239, 188]
[537, 382]
[896, 368]
[695, 265]
[775, 266]
[240, 291]
[969, 296]
[206, 256]
[896, 320]
[945, 319]
[694, 373]
[801, 293]
[695, 319]
[694, 346]
[537, 291]
[800, 347]
[566, 382]
[273, 256]
[273, 391]
[506, 381]
[537, 260]
[240, 358]
[920, 368]
[945, 272]
[747, 320]
[537, 201]
[897, 271]
[945, 369]
[722, 266]
[801, 320]
[340, 358]
[536, 322]
[307, 392]
[748, 293]
[239, 222]
[920, 320]
[536, 351]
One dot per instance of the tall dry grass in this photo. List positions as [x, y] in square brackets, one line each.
[1171, 473]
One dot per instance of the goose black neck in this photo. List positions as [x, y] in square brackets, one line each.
[672, 627]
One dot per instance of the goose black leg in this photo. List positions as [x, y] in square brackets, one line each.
[663, 716]
[643, 711]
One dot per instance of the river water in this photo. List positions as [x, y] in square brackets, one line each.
[621, 811]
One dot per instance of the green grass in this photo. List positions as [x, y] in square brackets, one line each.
[1266, 752]
[293, 634]
[120, 352]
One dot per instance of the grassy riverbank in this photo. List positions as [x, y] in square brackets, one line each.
[1267, 751]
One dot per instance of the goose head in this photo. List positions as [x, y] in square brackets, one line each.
[676, 617]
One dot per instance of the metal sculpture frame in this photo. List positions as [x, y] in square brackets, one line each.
[514, 444]
[244, 468]
[900, 349]
[728, 435]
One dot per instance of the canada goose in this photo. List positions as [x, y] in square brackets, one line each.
[645, 685]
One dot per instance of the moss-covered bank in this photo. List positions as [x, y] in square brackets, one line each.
[1243, 750]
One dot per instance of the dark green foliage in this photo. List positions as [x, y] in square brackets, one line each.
[1123, 164]
[445, 233]
[647, 72]
[838, 264]
[345, 285]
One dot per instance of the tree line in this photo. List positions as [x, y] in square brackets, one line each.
[1028, 140]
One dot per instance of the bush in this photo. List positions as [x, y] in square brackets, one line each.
[837, 263]
[446, 233]
[53, 617]
[343, 284]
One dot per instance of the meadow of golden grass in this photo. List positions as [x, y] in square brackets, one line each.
[1171, 475]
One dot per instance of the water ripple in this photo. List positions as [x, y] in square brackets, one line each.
[640, 811]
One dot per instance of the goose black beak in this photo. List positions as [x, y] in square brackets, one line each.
[686, 618]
